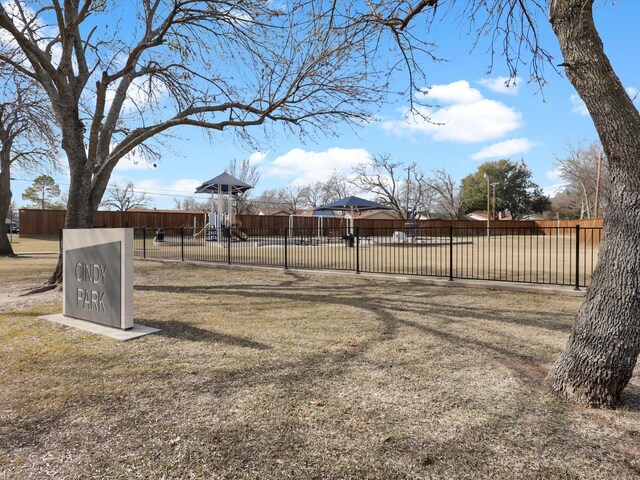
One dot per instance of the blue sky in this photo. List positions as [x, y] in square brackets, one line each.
[481, 120]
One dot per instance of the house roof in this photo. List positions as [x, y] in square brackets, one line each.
[193, 212]
[371, 213]
[279, 211]
[478, 215]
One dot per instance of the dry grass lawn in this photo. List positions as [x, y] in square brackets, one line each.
[275, 374]
[42, 244]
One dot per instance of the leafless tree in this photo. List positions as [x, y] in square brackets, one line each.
[190, 203]
[579, 171]
[248, 173]
[125, 198]
[309, 68]
[381, 177]
[27, 137]
[337, 186]
[321, 192]
[605, 342]
[315, 194]
[393, 183]
[447, 193]
[568, 204]
[269, 199]
[117, 90]
[421, 196]
[293, 197]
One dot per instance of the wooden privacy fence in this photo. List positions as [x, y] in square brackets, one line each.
[49, 222]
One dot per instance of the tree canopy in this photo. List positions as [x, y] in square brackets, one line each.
[27, 137]
[125, 198]
[42, 193]
[585, 174]
[514, 189]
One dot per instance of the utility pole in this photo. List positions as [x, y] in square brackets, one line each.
[408, 188]
[598, 185]
[494, 200]
[43, 196]
[488, 203]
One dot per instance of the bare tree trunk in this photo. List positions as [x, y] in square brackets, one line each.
[6, 250]
[604, 345]
[80, 209]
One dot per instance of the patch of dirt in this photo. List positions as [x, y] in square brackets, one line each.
[11, 298]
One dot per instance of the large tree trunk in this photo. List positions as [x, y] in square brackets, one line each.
[5, 201]
[604, 345]
[80, 209]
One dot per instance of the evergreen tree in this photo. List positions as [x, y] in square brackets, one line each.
[514, 189]
[42, 193]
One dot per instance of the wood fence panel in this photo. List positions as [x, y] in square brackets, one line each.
[49, 222]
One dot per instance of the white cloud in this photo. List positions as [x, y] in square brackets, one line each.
[257, 157]
[41, 31]
[553, 175]
[133, 161]
[309, 166]
[578, 106]
[504, 149]
[140, 94]
[455, 92]
[468, 118]
[553, 190]
[504, 85]
[557, 184]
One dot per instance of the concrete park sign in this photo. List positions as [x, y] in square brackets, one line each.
[98, 276]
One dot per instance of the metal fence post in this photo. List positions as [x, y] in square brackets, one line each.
[451, 253]
[144, 242]
[577, 287]
[286, 235]
[357, 249]
[182, 243]
[229, 245]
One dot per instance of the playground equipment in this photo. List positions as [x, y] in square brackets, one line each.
[350, 204]
[302, 235]
[222, 222]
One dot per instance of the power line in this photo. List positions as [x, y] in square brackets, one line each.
[151, 191]
[155, 192]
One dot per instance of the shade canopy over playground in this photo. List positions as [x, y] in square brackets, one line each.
[351, 204]
[224, 184]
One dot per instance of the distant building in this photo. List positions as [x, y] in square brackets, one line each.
[477, 215]
[379, 215]
[279, 212]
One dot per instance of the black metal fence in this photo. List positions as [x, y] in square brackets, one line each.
[539, 255]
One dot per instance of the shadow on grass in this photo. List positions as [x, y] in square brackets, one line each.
[504, 349]
[356, 296]
[185, 331]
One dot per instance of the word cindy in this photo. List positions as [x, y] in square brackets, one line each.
[89, 298]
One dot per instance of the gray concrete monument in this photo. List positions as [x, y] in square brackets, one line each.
[98, 283]
[98, 275]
